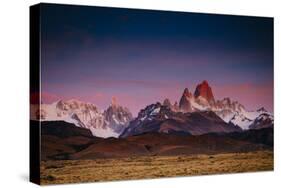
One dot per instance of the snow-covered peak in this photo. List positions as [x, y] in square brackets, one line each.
[264, 116]
[262, 110]
[227, 103]
[241, 120]
[264, 120]
[73, 105]
[117, 117]
[235, 113]
[229, 110]
[87, 115]
[153, 111]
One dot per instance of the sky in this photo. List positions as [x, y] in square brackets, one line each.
[143, 56]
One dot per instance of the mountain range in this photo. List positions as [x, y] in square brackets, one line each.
[231, 112]
[61, 140]
[195, 114]
[108, 123]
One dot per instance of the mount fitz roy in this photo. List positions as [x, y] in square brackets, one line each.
[198, 114]
[195, 114]
[230, 111]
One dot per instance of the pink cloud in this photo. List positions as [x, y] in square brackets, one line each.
[49, 97]
[45, 97]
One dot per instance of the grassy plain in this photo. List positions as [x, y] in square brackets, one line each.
[74, 171]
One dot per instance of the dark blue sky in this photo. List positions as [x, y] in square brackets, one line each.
[141, 56]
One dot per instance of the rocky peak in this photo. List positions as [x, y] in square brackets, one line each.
[114, 101]
[167, 103]
[186, 93]
[185, 105]
[205, 91]
[226, 101]
[205, 82]
[117, 114]
[176, 107]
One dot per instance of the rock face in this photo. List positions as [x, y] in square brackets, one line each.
[117, 117]
[176, 107]
[184, 104]
[167, 103]
[204, 90]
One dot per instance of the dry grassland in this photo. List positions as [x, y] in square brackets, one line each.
[74, 171]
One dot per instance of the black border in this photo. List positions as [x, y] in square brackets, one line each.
[34, 81]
